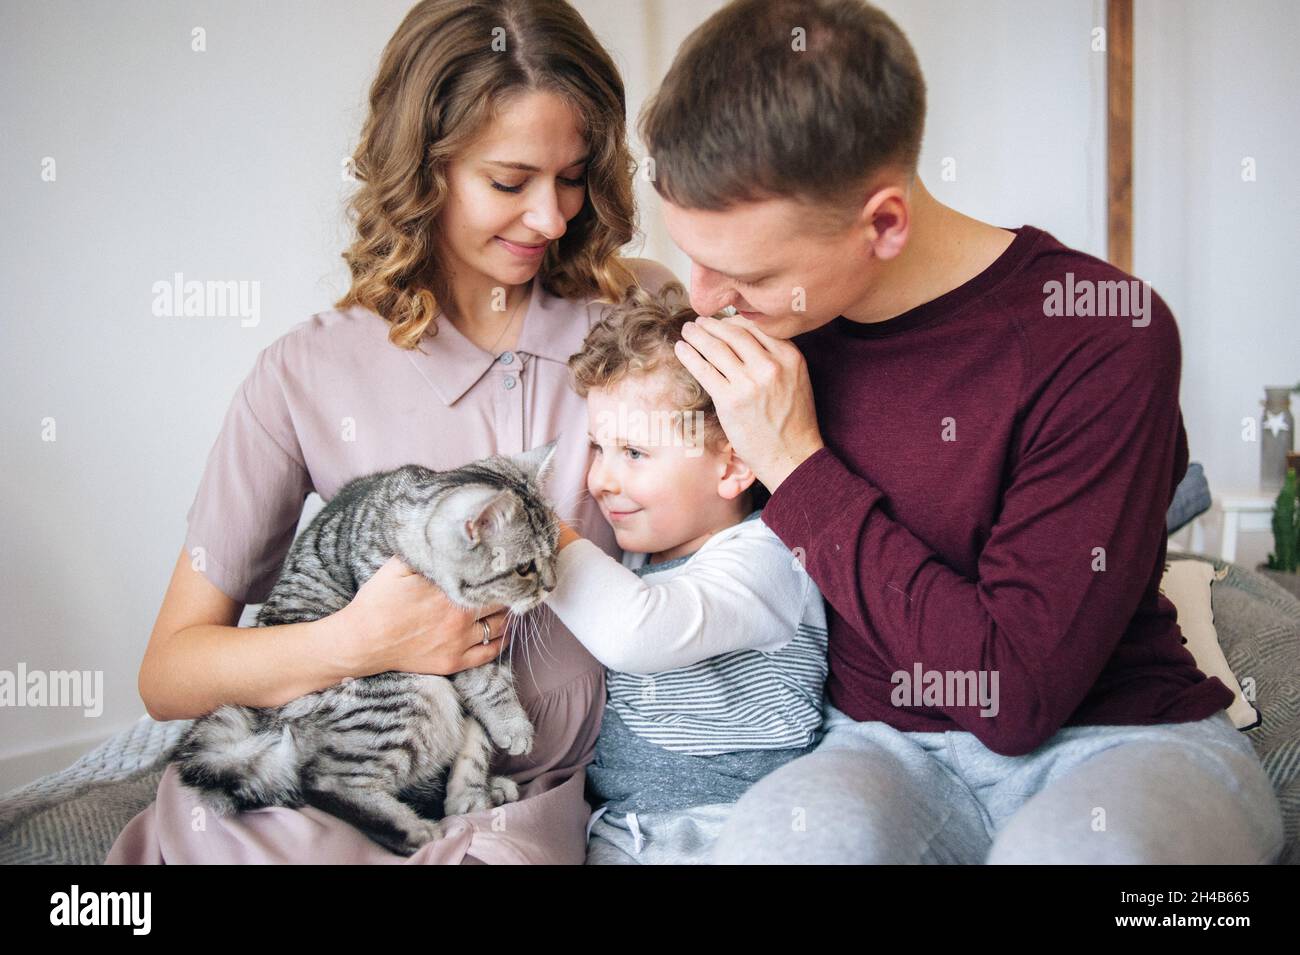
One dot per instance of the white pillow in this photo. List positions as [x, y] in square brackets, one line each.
[1187, 585]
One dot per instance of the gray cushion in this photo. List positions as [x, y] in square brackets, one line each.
[1259, 630]
[1191, 498]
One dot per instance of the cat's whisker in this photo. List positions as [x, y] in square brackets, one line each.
[580, 498]
[572, 505]
[527, 654]
[513, 627]
[564, 505]
[547, 657]
[581, 492]
[537, 633]
[550, 625]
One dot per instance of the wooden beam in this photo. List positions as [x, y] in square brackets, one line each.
[1119, 133]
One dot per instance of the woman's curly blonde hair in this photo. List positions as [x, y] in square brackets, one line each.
[635, 339]
[441, 81]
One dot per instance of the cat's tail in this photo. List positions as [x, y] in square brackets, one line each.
[239, 760]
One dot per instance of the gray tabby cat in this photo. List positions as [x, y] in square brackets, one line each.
[394, 752]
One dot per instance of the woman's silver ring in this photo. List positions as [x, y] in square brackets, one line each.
[487, 633]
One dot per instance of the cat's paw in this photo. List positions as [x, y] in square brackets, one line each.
[417, 837]
[515, 737]
[470, 799]
[522, 743]
[504, 790]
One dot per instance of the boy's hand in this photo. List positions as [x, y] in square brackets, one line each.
[567, 536]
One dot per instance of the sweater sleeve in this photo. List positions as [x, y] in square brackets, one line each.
[744, 593]
[1066, 564]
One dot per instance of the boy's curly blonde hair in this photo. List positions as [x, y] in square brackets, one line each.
[636, 339]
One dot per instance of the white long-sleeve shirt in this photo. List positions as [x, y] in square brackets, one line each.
[718, 651]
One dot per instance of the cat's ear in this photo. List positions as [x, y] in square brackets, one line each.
[539, 461]
[485, 518]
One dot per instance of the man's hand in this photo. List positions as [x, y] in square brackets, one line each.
[761, 390]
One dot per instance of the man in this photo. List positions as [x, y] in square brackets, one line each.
[971, 435]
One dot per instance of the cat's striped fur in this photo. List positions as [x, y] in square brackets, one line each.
[392, 753]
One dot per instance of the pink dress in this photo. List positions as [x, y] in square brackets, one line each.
[333, 399]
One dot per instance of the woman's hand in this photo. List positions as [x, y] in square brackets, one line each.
[400, 621]
[760, 389]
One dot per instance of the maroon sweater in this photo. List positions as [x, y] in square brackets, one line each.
[979, 552]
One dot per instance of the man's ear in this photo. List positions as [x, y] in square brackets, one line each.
[885, 222]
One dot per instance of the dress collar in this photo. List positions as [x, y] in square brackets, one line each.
[554, 328]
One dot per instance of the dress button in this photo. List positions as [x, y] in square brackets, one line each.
[510, 382]
[507, 357]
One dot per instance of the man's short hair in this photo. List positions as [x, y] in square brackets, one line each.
[803, 99]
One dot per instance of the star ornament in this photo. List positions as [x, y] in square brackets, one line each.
[1276, 423]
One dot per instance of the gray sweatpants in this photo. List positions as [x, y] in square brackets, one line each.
[680, 837]
[1170, 793]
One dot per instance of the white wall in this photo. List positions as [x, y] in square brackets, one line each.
[1015, 97]
[226, 165]
[1216, 83]
[222, 165]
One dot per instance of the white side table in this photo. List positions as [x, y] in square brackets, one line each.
[1193, 534]
[1244, 511]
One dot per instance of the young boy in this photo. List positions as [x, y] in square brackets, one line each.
[713, 636]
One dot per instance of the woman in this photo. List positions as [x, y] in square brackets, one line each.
[495, 194]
